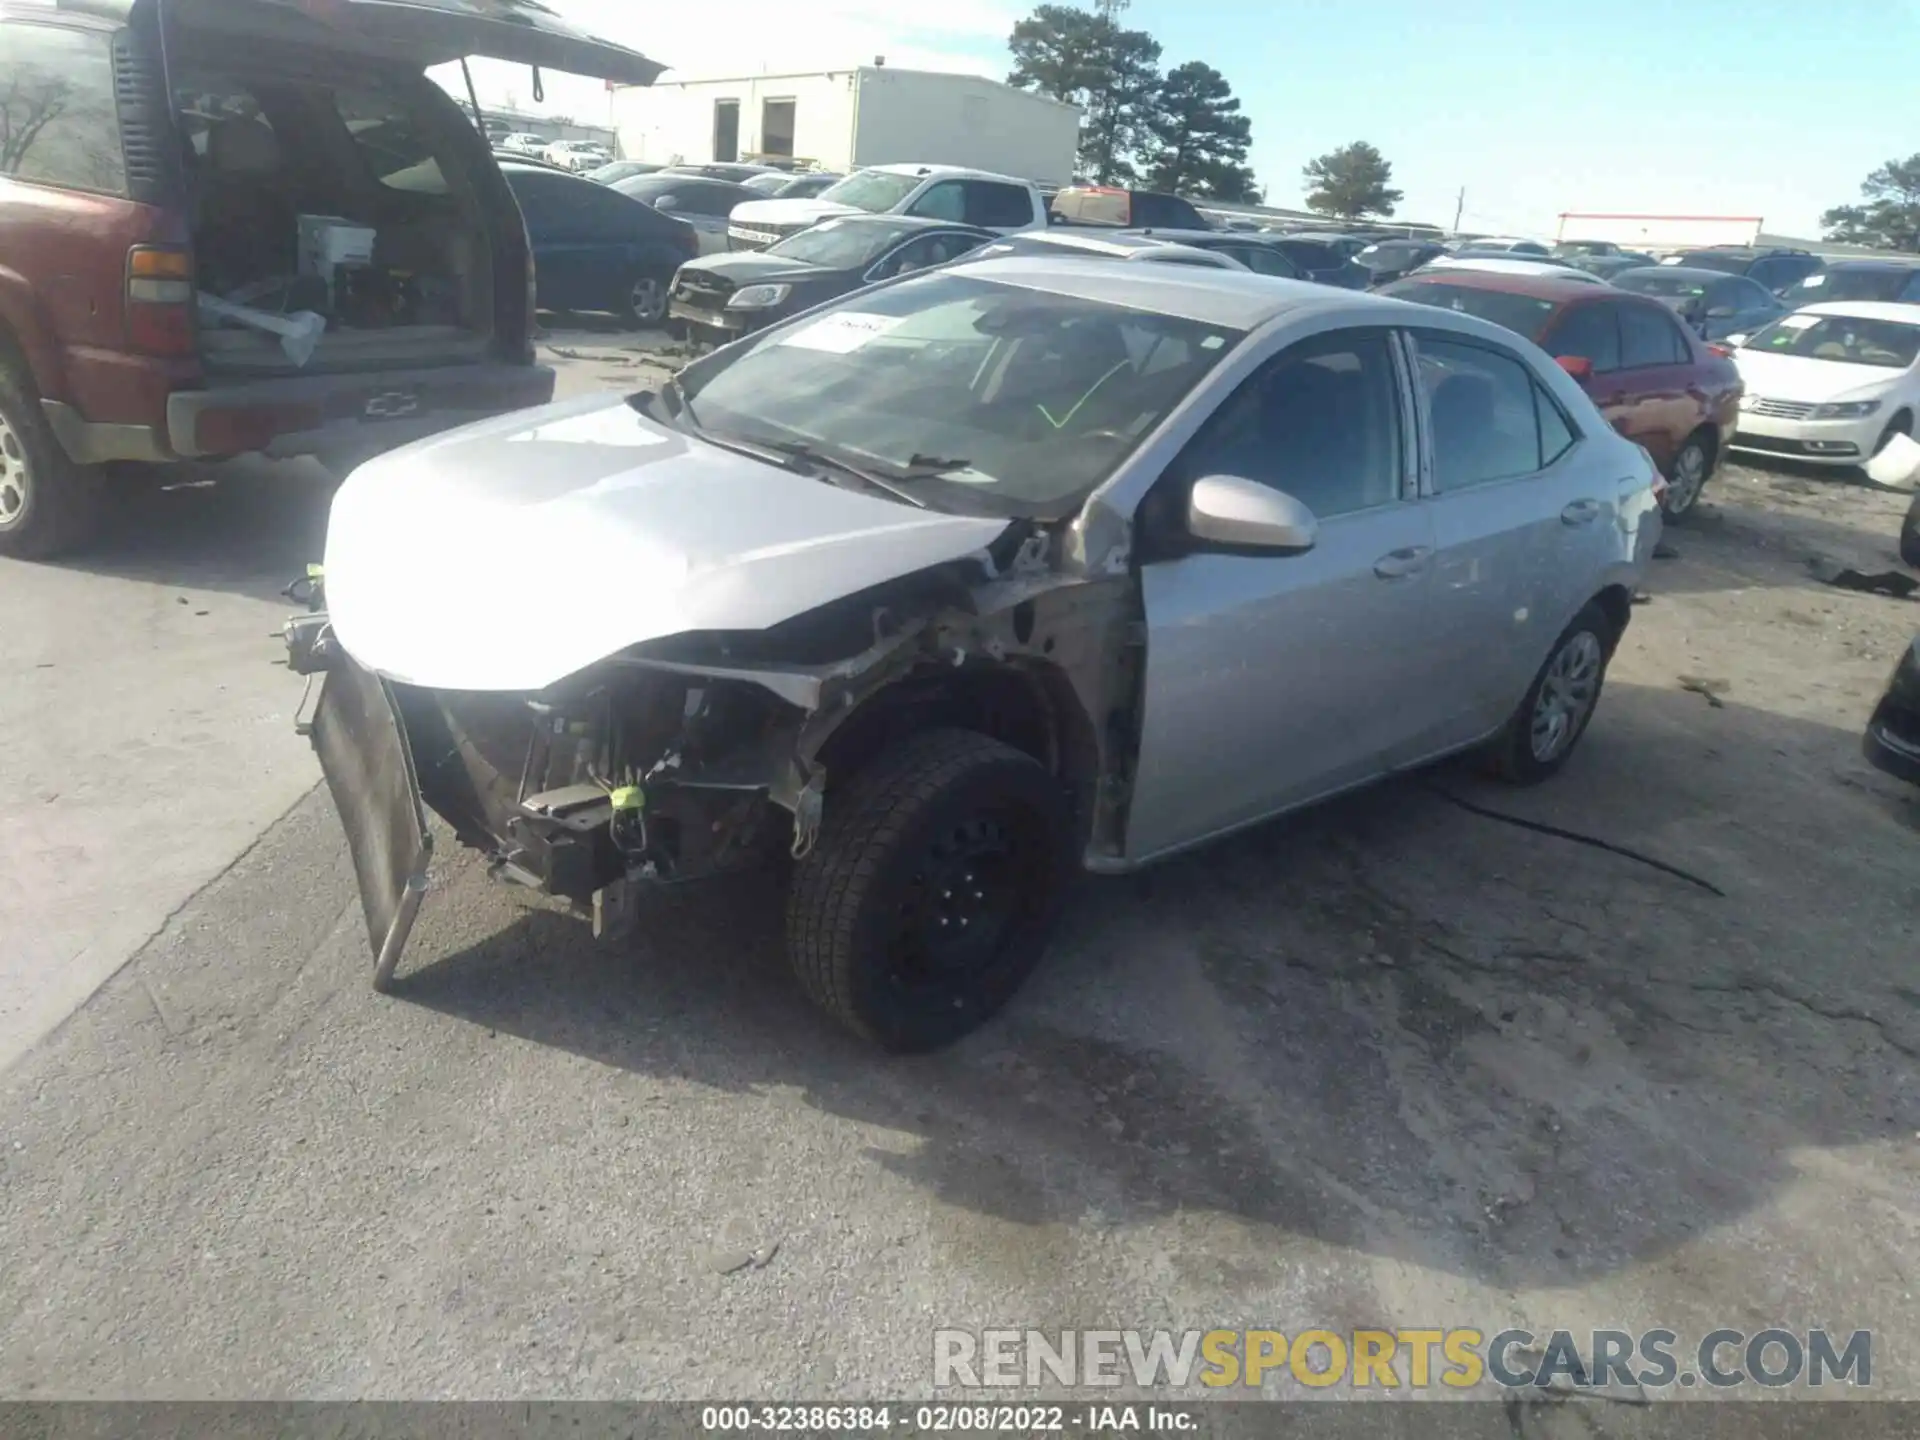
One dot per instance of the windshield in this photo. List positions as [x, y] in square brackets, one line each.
[1888, 344]
[1021, 400]
[1662, 282]
[1864, 284]
[1708, 260]
[839, 244]
[872, 190]
[1522, 314]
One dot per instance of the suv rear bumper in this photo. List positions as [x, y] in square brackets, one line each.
[316, 414]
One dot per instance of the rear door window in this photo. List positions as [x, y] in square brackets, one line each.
[1483, 414]
[1590, 331]
[995, 206]
[1649, 337]
[1269, 261]
[58, 124]
[945, 201]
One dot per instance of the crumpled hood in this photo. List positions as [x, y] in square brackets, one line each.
[1796, 377]
[750, 267]
[513, 553]
[780, 214]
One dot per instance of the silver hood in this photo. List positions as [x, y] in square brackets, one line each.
[513, 553]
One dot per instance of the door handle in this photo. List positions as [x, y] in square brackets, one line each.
[1398, 564]
[1581, 512]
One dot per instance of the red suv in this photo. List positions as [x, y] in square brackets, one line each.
[1656, 383]
[230, 226]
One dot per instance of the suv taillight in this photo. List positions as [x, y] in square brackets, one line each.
[160, 299]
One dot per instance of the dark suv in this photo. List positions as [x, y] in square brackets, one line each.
[291, 165]
[1776, 269]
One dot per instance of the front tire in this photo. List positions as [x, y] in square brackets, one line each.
[932, 889]
[48, 504]
[1559, 705]
[1910, 536]
[1901, 424]
[1692, 468]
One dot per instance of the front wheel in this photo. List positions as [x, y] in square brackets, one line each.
[1557, 707]
[1910, 536]
[1901, 424]
[1692, 466]
[932, 890]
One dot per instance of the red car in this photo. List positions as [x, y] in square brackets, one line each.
[1656, 383]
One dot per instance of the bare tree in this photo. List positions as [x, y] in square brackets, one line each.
[31, 100]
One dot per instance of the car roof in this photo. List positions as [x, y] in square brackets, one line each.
[1877, 262]
[861, 218]
[1236, 298]
[1865, 310]
[1692, 272]
[1537, 286]
[946, 172]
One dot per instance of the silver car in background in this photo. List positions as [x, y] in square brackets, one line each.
[958, 586]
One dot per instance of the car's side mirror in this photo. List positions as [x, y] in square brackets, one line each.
[1231, 510]
[1578, 366]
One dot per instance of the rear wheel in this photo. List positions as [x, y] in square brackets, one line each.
[1557, 707]
[646, 302]
[932, 890]
[1692, 467]
[48, 504]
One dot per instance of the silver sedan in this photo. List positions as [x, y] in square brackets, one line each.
[959, 586]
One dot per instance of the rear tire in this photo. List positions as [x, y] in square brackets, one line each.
[48, 504]
[1910, 535]
[1559, 705]
[932, 889]
[646, 304]
[1692, 468]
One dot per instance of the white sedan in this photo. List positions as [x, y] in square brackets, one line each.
[1550, 269]
[1831, 383]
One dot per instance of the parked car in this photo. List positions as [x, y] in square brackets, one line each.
[1099, 243]
[1831, 384]
[1608, 266]
[1250, 249]
[1895, 280]
[1511, 264]
[961, 584]
[722, 297]
[781, 186]
[1892, 741]
[739, 172]
[1576, 250]
[1346, 247]
[525, 143]
[619, 170]
[1712, 302]
[596, 249]
[1776, 269]
[1321, 262]
[1506, 245]
[935, 192]
[1124, 209]
[1655, 383]
[109, 235]
[704, 204]
[1387, 260]
[578, 156]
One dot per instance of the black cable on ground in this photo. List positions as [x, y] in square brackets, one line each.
[1576, 838]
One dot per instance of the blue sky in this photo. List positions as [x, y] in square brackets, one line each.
[1701, 107]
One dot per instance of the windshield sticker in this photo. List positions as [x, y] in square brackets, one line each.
[1799, 322]
[842, 333]
[1813, 280]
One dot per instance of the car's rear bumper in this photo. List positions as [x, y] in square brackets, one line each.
[319, 414]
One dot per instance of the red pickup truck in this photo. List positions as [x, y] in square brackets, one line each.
[290, 158]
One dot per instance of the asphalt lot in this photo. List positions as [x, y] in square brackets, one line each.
[1391, 1063]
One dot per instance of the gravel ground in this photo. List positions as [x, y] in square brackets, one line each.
[1390, 1063]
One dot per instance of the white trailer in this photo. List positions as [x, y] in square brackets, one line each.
[842, 119]
[1661, 232]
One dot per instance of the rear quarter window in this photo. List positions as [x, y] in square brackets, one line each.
[58, 124]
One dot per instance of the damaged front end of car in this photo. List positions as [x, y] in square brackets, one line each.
[707, 752]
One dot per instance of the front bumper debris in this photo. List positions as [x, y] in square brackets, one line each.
[361, 741]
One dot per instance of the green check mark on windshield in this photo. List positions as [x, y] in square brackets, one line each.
[1061, 423]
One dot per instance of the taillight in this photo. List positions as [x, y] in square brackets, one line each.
[1721, 350]
[160, 300]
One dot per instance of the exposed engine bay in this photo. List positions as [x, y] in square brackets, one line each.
[697, 754]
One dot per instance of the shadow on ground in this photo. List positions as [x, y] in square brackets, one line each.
[1388, 1024]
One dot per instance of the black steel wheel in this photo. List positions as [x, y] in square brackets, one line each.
[932, 889]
